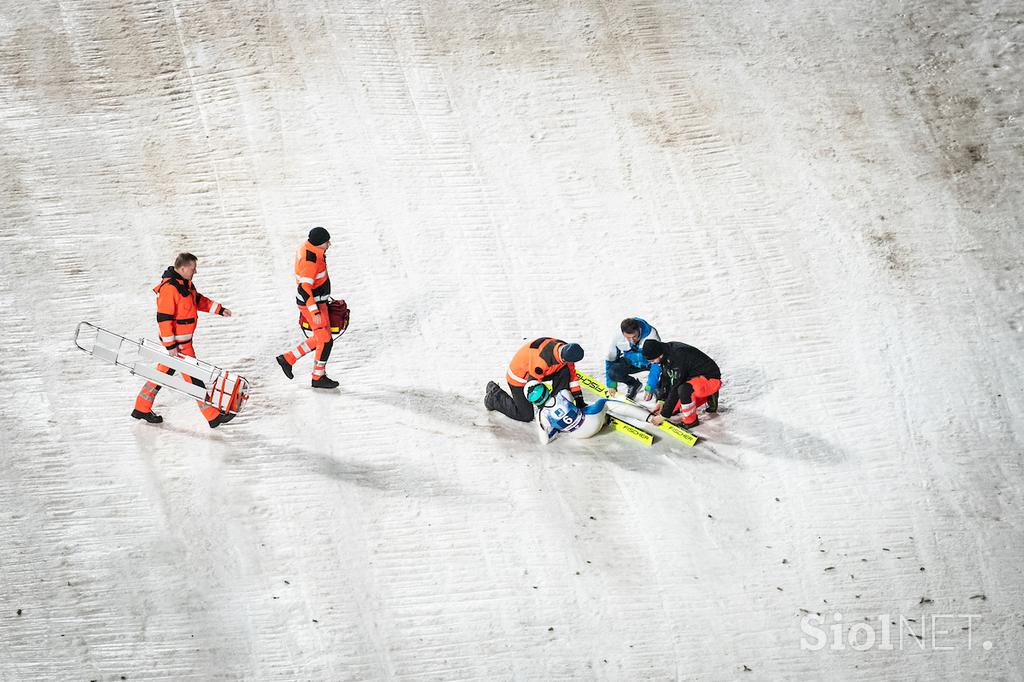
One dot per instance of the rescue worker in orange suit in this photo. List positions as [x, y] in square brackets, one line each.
[314, 290]
[178, 305]
[543, 359]
[689, 379]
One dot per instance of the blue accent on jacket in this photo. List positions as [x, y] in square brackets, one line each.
[633, 354]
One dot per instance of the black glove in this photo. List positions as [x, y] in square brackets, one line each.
[580, 402]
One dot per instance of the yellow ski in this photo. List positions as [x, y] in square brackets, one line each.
[630, 430]
[591, 384]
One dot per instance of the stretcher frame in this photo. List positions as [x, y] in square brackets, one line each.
[213, 386]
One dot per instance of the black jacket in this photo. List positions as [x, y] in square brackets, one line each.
[680, 363]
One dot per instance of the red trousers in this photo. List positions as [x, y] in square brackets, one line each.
[692, 394]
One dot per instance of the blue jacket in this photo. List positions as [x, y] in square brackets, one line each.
[632, 353]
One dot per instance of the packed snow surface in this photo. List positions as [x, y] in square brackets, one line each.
[823, 196]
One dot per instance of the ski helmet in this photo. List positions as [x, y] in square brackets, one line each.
[537, 392]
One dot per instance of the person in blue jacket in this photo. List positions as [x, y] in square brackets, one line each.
[625, 358]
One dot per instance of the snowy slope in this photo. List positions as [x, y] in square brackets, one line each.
[825, 198]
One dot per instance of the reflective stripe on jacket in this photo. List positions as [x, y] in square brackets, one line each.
[540, 359]
[314, 286]
[177, 307]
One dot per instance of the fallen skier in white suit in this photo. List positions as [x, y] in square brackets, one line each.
[557, 413]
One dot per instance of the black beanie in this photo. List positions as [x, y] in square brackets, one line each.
[653, 349]
[572, 352]
[318, 236]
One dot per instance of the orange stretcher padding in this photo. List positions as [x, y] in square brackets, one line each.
[228, 399]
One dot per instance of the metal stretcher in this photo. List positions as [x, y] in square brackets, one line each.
[212, 385]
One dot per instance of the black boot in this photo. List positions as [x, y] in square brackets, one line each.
[712, 405]
[150, 417]
[634, 388]
[514, 406]
[325, 382]
[489, 396]
[285, 366]
[222, 418]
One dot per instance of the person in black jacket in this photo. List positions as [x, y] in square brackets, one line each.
[689, 379]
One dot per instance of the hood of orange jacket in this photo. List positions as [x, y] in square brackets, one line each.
[172, 277]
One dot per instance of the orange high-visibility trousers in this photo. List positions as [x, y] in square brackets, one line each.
[321, 341]
[692, 394]
[144, 401]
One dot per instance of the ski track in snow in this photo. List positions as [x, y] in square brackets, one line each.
[821, 196]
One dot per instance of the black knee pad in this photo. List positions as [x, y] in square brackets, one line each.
[685, 393]
[326, 353]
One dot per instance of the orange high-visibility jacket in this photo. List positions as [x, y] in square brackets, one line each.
[311, 276]
[177, 307]
[540, 359]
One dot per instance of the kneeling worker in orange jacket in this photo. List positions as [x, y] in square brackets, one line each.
[177, 307]
[543, 359]
[314, 291]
